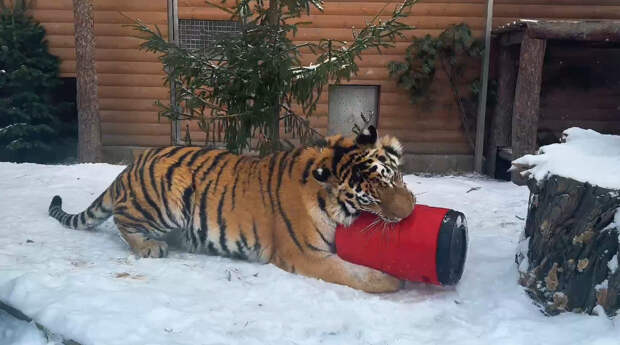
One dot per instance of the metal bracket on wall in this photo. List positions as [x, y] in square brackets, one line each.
[173, 36]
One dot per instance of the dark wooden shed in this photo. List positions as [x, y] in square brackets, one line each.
[551, 75]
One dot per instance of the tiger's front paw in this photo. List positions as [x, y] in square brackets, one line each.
[379, 282]
[153, 249]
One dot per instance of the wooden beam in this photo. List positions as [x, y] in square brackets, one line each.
[501, 122]
[578, 30]
[527, 100]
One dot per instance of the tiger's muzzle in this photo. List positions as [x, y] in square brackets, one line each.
[396, 204]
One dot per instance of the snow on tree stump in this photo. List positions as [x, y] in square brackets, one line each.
[568, 256]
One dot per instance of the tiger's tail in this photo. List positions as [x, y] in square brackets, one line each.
[100, 210]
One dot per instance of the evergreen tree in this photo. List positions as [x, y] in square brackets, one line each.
[28, 75]
[244, 85]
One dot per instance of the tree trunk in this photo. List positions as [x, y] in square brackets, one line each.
[571, 259]
[89, 126]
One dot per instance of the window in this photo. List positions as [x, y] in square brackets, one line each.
[346, 105]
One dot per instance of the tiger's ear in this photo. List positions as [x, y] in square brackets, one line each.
[367, 137]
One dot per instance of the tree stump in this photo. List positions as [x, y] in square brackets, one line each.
[568, 257]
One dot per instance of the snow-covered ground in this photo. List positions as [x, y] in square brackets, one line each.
[87, 287]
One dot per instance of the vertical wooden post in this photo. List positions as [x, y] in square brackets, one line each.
[527, 100]
[501, 122]
[89, 124]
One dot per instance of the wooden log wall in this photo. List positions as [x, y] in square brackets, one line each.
[131, 80]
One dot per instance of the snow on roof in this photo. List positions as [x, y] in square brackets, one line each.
[583, 155]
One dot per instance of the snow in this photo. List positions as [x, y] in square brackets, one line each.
[585, 156]
[613, 264]
[312, 67]
[6, 128]
[17, 332]
[522, 251]
[615, 224]
[602, 285]
[87, 287]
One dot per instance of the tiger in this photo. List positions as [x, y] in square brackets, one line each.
[282, 208]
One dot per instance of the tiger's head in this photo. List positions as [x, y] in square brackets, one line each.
[362, 174]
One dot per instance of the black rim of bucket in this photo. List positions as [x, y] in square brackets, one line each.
[451, 248]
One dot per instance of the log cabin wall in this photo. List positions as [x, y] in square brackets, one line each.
[131, 80]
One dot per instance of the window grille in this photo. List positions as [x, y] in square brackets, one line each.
[200, 34]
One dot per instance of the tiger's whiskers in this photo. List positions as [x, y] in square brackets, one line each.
[371, 225]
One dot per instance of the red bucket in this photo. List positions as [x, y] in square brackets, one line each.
[428, 246]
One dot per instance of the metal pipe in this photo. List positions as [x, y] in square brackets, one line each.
[482, 100]
[173, 36]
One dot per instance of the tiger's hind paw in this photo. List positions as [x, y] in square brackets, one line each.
[153, 249]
